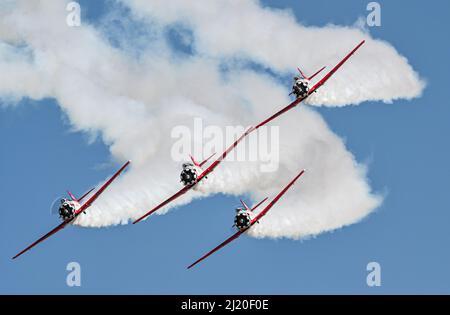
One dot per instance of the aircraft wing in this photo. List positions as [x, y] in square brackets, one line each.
[224, 154]
[255, 220]
[313, 89]
[329, 74]
[230, 239]
[200, 177]
[80, 210]
[88, 203]
[282, 111]
[56, 229]
[270, 205]
[175, 196]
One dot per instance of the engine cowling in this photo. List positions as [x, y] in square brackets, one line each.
[301, 88]
[242, 220]
[66, 211]
[188, 175]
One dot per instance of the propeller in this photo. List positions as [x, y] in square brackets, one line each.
[54, 208]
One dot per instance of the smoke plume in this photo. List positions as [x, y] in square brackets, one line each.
[148, 66]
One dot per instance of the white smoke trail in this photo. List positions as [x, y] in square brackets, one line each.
[135, 96]
[273, 38]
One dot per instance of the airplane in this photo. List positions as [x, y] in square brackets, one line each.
[192, 172]
[301, 87]
[69, 210]
[245, 219]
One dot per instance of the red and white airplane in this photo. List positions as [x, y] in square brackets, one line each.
[69, 210]
[245, 219]
[192, 173]
[301, 87]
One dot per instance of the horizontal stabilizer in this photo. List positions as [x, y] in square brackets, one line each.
[85, 194]
[260, 203]
[311, 77]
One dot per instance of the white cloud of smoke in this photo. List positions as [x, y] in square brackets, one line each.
[134, 92]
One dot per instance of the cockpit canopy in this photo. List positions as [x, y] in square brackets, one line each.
[187, 165]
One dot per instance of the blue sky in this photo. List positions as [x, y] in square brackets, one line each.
[404, 144]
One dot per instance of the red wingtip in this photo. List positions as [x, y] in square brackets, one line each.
[359, 45]
[145, 216]
[138, 220]
[19, 254]
[193, 264]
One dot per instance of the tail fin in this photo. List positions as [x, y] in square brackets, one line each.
[193, 160]
[72, 196]
[245, 205]
[311, 77]
[81, 198]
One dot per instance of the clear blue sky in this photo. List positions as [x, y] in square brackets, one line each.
[405, 142]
